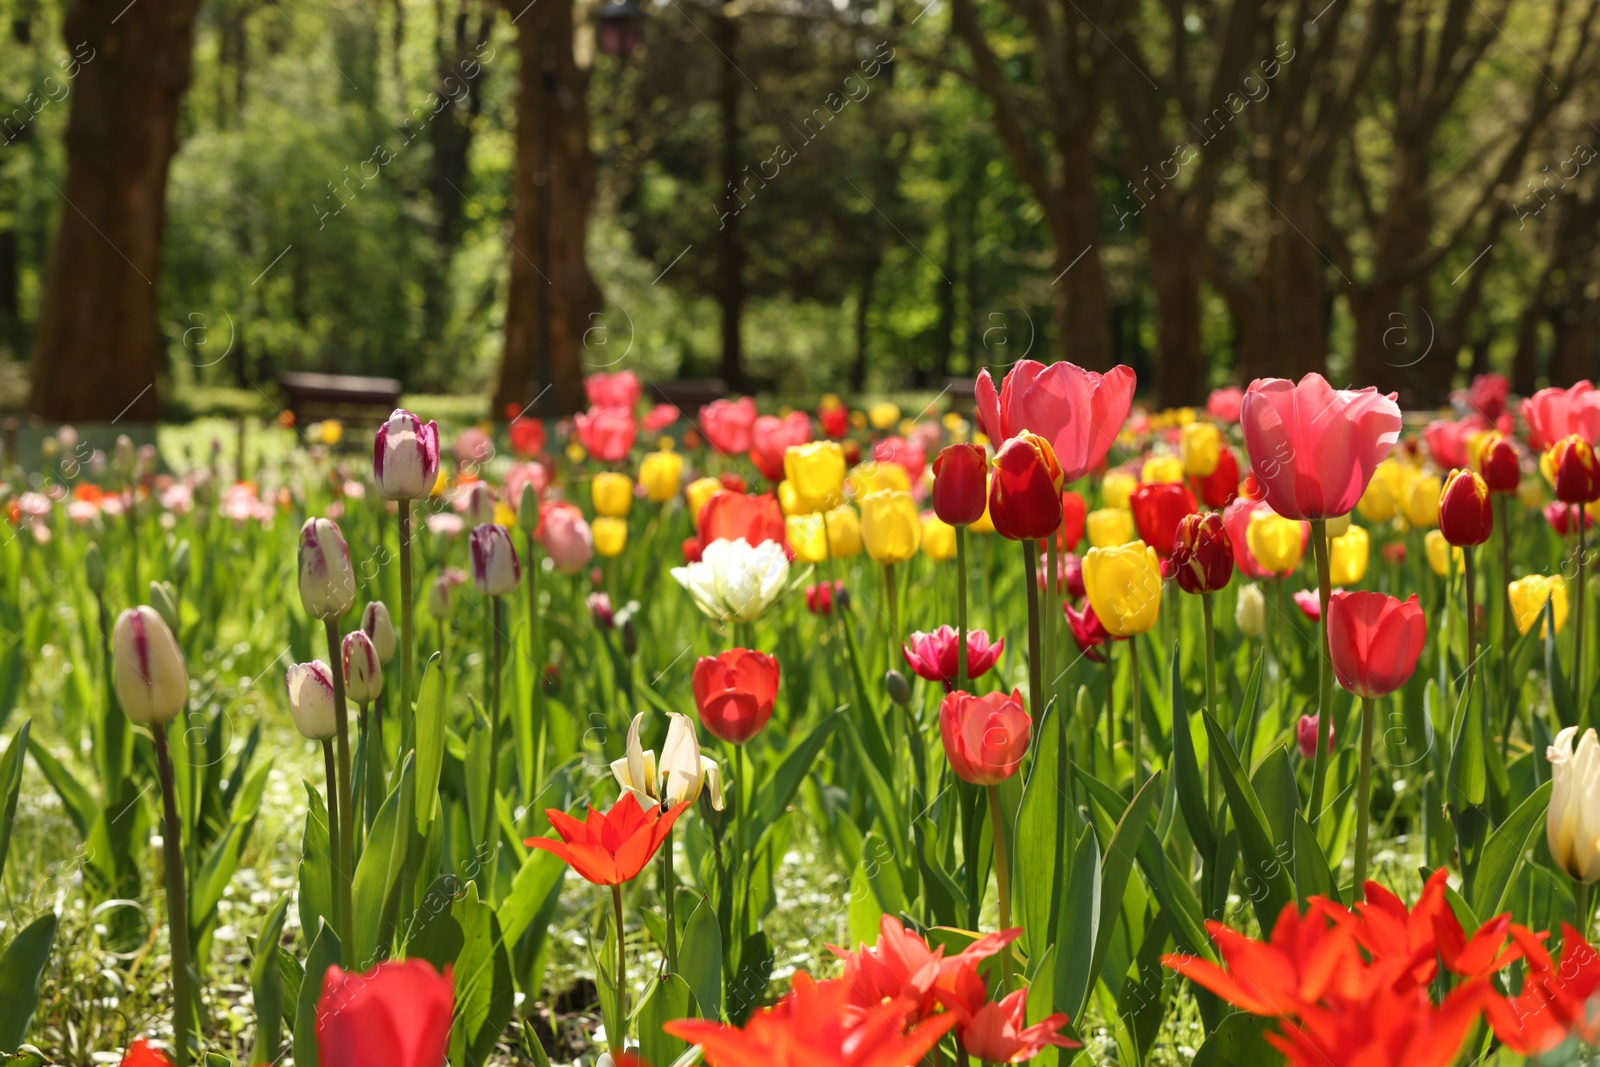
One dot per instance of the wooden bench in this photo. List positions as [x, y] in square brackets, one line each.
[688, 395]
[342, 396]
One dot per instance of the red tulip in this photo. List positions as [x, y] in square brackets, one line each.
[1555, 1003]
[1313, 448]
[735, 692]
[835, 420]
[727, 424]
[527, 437]
[903, 454]
[1025, 492]
[1078, 412]
[1073, 515]
[985, 737]
[1552, 414]
[821, 596]
[997, 1031]
[733, 482]
[1465, 515]
[1395, 552]
[660, 416]
[620, 390]
[933, 655]
[1499, 465]
[1219, 488]
[1305, 736]
[771, 437]
[902, 968]
[1577, 474]
[1447, 442]
[692, 549]
[960, 484]
[1564, 518]
[1202, 553]
[1157, 510]
[610, 848]
[607, 433]
[1087, 631]
[1488, 395]
[729, 516]
[1374, 641]
[396, 1015]
[143, 1054]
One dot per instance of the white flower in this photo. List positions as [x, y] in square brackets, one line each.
[1250, 614]
[311, 700]
[405, 456]
[327, 584]
[1572, 823]
[147, 671]
[681, 774]
[734, 581]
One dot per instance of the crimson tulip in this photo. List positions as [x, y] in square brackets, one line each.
[1305, 736]
[735, 692]
[1157, 510]
[1219, 488]
[1025, 492]
[1564, 519]
[960, 484]
[933, 655]
[1087, 631]
[1202, 553]
[395, 1015]
[1313, 448]
[834, 419]
[730, 515]
[1073, 516]
[1488, 394]
[613, 847]
[1498, 463]
[985, 737]
[1308, 603]
[143, 1054]
[1465, 515]
[820, 596]
[1576, 473]
[527, 436]
[1078, 412]
[1374, 641]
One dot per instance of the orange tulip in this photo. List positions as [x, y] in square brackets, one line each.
[612, 848]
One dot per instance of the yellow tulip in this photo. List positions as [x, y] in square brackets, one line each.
[1382, 496]
[883, 415]
[1160, 469]
[1124, 587]
[698, 494]
[1275, 541]
[816, 471]
[612, 494]
[938, 538]
[504, 516]
[807, 537]
[1528, 597]
[332, 431]
[1530, 494]
[575, 453]
[789, 500]
[985, 524]
[1439, 553]
[844, 532]
[874, 477]
[1347, 558]
[891, 529]
[1421, 502]
[1202, 448]
[1109, 526]
[1336, 526]
[610, 535]
[661, 473]
[1116, 489]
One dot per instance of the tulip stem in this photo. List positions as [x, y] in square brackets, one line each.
[177, 909]
[1582, 896]
[1577, 622]
[347, 834]
[1364, 794]
[1472, 621]
[1213, 766]
[1319, 771]
[619, 1041]
[1002, 878]
[1030, 556]
[1049, 611]
[532, 788]
[1134, 687]
[408, 737]
[891, 589]
[1505, 618]
[331, 774]
[961, 607]
[667, 897]
[491, 821]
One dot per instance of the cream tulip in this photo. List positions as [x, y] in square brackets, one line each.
[1572, 822]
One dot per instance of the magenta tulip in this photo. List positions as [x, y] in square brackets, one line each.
[1078, 411]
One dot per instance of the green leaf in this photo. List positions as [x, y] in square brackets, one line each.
[1082, 907]
[20, 970]
[1238, 1042]
[1186, 770]
[1266, 880]
[1560, 692]
[1311, 874]
[887, 803]
[1121, 853]
[779, 790]
[315, 899]
[1041, 845]
[749, 986]
[324, 954]
[266, 986]
[81, 807]
[11, 786]
[536, 882]
[700, 960]
[667, 1000]
[378, 872]
[430, 743]
[483, 982]
[1504, 851]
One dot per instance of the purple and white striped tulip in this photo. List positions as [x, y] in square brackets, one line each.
[363, 674]
[148, 671]
[405, 456]
[376, 623]
[495, 569]
[311, 700]
[327, 584]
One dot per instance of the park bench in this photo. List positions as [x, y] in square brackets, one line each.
[688, 394]
[343, 396]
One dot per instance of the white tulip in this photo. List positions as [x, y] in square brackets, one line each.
[1572, 823]
[363, 674]
[405, 456]
[680, 776]
[1250, 614]
[376, 623]
[327, 584]
[147, 671]
[733, 581]
[311, 700]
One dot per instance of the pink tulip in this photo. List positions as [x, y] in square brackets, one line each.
[727, 424]
[770, 437]
[1223, 404]
[1552, 414]
[1079, 412]
[620, 390]
[1313, 448]
[1447, 442]
[607, 433]
[566, 536]
[659, 417]
[1309, 602]
[1305, 736]
[934, 655]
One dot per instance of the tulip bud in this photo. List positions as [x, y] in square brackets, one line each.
[165, 600]
[1250, 613]
[898, 688]
[442, 595]
[363, 674]
[122, 456]
[612, 494]
[661, 473]
[327, 584]
[600, 610]
[495, 570]
[94, 568]
[311, 700]
[376, 624]
[1124, 587]
[480, 504]
[891, 529]
[1496, 459]
[1201, 447]
[630, 637]
[815, 473]
[148, 672]
[1202, 553]
[1025, 492]
[1465, 516]
[610, 536]
[1573, 470]
[528, 509]
[960, 484]
[1305, 736]
[180, 562]
[1570, 826]
[405, 457]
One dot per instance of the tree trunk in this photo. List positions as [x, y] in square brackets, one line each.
[858, 373]
[551, 294]
[1175, 276]
[1083, 309]
[97, 349]
[731, 250]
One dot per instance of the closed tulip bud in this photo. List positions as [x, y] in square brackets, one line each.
[1108, 527]
[327, 584]
[895, 684]
[891, 529]
[1381, 500]
[630, 637]
[363, 673]
[1124, 587]
[122, 456]
[480, 504]
[442, 596]
[661, 474]
[815, 473]
[985, 738]
[1250, 613]
[1305, 736]
[94, 569]
[1025, 492]
[376, 624]
[180, 562]
[1348, 555]
[566, 536]
[1572, 821]
[960, 484]
[612, 494]
[610, 536]
[311, 700]
[1202, 554]
[1374, 641]
[148, 672]
[1420, 505]
[1201, 447]
[495, 570]
[405, 457]
[1441, 554]
[734, 693]
[528, 509]
[938, 538]
[1572, 469]
[1276, 542]
[1496, 459]
[1528, 598]
[1116, 489]
[1465, 515]
[808, 538]
[165, 600]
